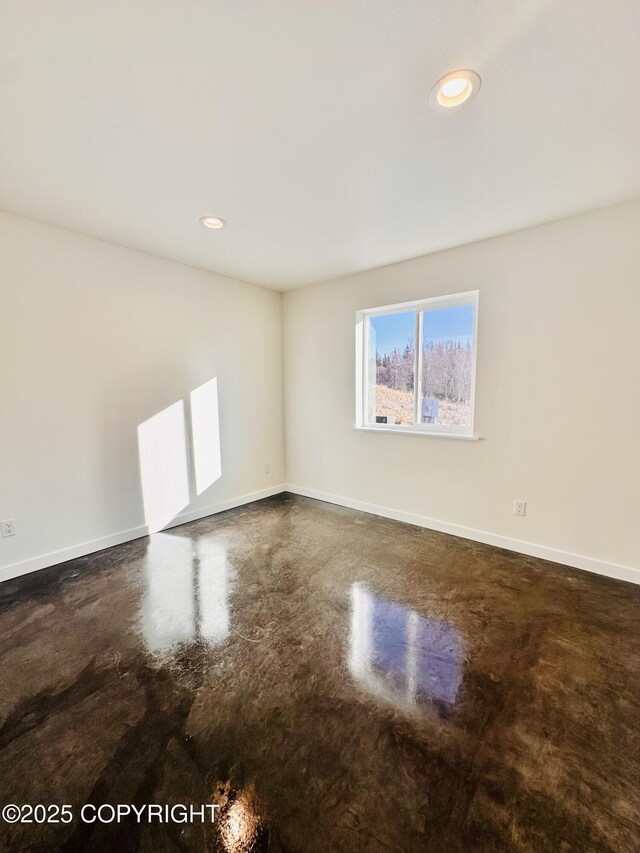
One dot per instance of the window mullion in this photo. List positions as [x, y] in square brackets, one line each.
[364, 361]
[417, 370]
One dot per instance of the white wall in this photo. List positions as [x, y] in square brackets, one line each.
[558, 402]
[96, 339]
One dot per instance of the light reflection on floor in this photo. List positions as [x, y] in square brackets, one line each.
[402, 657]
[187, 592]
[240, 827]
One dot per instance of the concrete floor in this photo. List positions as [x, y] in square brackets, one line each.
[333, 681]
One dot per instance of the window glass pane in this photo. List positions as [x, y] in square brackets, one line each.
[447, 365]
[391, 367]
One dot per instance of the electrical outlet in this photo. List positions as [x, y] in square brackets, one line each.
[519, 507]
[8, 527]
[267, 468]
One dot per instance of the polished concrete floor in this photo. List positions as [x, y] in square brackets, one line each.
[333, 681]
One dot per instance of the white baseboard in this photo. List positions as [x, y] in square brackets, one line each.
[43, 561]
[576, 561]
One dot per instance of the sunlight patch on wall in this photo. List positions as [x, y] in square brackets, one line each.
[205, 432]
[163, 466]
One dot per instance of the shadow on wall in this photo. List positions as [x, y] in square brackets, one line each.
[401, 657]
[162, 447]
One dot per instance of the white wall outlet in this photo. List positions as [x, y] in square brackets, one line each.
[519, 507]
[8, 527]
[267, 468]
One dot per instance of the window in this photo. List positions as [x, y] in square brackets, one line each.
[416, 365]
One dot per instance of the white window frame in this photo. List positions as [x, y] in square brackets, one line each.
[363, 317]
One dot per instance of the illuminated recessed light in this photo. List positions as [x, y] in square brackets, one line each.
[455, 88]
[213, 222]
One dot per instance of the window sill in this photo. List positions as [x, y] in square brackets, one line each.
[409, 431]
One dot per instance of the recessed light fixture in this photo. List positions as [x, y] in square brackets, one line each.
[213, 222]
[455, 88]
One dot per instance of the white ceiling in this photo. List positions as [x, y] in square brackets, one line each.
[307, 125]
